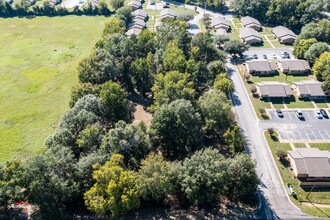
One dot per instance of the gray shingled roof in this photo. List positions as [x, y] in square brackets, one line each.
[135, 3]
[283, 32]
[221, 32]
[274, 89]
[133, 31]
[249, 33]
[140, 12]
[295, 65]
[138, 23]
[216, 21]
[167, 11]
[249, 20]
[310, 87]
[261, 66]
[311, 161]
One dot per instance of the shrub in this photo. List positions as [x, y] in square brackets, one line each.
[271, 131]
[253, 89]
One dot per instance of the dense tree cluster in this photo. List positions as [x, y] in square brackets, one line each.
[293, 13]
[97, 159]
[312, 44]
[28, 8]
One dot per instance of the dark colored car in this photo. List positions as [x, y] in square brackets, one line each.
[152, 3]
[324, 113]
[255, 56]
[264, 56]
[279, 113]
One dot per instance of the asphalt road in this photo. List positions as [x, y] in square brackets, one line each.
[292, 129]
[275, 203]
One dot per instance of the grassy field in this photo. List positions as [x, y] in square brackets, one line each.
[38, 65]
[317, 196]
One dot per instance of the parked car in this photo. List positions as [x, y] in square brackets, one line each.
[152, 3]
[282, 54]
[279, 113]
[299, 114]
[318, 114]
[274, 56]
[324, 113]
[287, 55]
[264, 56]
[255, 56]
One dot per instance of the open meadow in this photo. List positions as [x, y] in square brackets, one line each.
[38, 67]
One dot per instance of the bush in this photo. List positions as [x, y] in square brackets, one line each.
[185, 17]
[271, 131]
[253, 89]
[263, 113]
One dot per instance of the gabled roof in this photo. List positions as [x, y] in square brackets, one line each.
[310, 87]
[283, 32]
[311, 161]
[295, 65]
[221, 32]
[135, 3]
[261, 66]
[249, 20]
[138, 23]
[219, 21]
[274, 89]
[249, 32]
[167, 11]
[133, 31]
[140, 12]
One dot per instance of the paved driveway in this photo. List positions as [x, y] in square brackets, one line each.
[72, 3]
[292, 129]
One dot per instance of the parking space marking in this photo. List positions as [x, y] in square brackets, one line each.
[317, 135]
[291, 135]
[324, 135]
[327, 133]
[283, 135]
[304, 135]
[296, 135]
[308, 115]
[289, 115]
[310, 134]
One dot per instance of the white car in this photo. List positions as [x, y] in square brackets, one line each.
[299, 114]
[318, 113]
[274, 56]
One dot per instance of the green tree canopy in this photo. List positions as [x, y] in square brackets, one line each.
[143, 74]
[202, 176]
[115, 4]
[301, 47]
[235, 47]
[215, 110]
[223, 84]
[154, 179]
[114, 100]
[115, 189]
[171, 86]
[315, 51]
[114, 25]
[176, 129]
[129, 140]
[321, 67]
[174, 59]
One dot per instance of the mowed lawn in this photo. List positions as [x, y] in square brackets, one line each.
[38, 68]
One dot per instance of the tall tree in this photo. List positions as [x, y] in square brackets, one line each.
[115, 4]
[215, 110]
[171, 86]
[174, 59]
[301, 47]
[176, 129]
[315, 51]
[114, 100]
[235, 47]
[154, 178]
[321, 67]
[129, 140]
[143, 74]
[114, 25]
[202, 176]
[115, 189]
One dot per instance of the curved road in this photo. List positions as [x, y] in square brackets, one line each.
[275, 201]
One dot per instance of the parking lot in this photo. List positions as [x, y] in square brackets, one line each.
[268, 52]
[292, 129]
